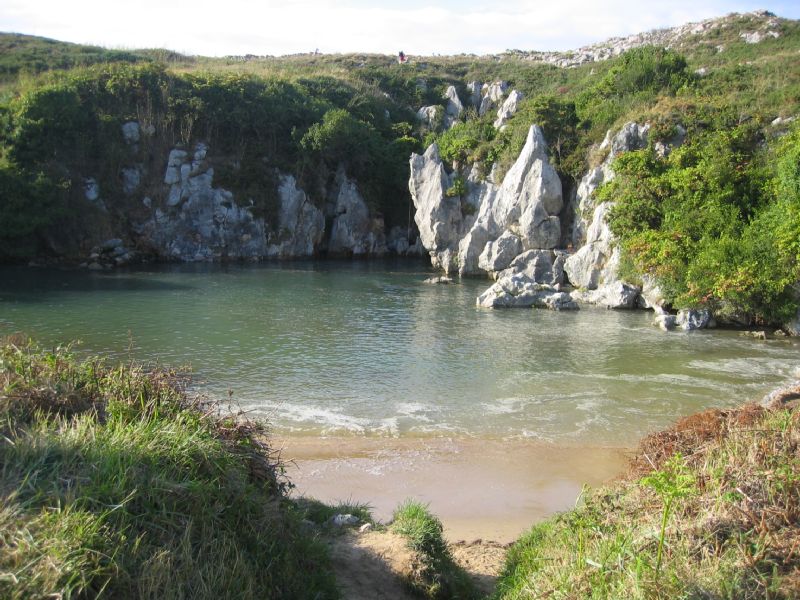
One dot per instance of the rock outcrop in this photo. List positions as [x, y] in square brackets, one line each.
[761, 26]
[520, 291]
[594, 265]
[199, 222]
[301, 225]
[353, 232]
[453, 108]
[194, 220]
[509, 108]
[485, 230]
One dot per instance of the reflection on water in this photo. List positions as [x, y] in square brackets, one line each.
[367, 347]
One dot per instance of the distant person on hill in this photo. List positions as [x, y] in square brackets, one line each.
[402, 58]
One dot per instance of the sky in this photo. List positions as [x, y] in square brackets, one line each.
[418, 27]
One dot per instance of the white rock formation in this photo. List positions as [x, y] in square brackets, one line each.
[516, 291]
[596, 262]
[427, 115]
[492, 94]
[474, 89]
[509, 108]
[453, 108]
[526, 206]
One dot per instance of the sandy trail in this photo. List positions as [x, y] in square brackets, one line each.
[373, 565]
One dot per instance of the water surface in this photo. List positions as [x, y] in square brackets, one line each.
[368, 348]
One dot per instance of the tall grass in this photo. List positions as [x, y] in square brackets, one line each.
[115, 483]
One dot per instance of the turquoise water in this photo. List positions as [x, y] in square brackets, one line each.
[368, 348]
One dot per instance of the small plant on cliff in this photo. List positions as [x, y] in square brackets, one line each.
[458, 188]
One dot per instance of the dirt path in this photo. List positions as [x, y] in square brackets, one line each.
[373, 565]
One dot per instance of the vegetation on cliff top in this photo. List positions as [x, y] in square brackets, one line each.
[115, 483]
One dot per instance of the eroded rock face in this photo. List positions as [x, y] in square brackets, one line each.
[454, 108]
[438, 217]
[354, 232]
[301, 225]
[201, 222]
[497, 255]
[508, 109]
[492, 94]
[523, 210]
[595, 264]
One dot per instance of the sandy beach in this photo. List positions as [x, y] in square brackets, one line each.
[480, 488]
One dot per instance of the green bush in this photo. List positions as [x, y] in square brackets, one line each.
[714, 222]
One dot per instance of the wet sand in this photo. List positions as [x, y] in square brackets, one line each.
[480, 489]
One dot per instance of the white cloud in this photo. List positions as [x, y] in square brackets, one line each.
[415, 26]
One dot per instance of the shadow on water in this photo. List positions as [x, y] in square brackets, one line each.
[31, 285]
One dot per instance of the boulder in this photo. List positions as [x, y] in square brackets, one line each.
[665, 321]
[692, 319]
[541, 266]
[613, 295]
[519, 291]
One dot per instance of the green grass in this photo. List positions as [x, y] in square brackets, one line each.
[711, 510]
[437, 576]
[115, 483]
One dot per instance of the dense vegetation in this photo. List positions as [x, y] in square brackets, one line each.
[717, 221]
[115, 483]
[710, 511]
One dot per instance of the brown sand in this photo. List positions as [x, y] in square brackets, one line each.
[480, 489]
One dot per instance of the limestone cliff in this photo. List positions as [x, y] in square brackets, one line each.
[512, 230]
[184, 215]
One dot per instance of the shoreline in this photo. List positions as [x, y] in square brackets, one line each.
[487, 489]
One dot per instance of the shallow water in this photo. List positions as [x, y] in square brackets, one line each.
[368, 348]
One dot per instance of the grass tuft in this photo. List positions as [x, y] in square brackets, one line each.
[436, 575]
